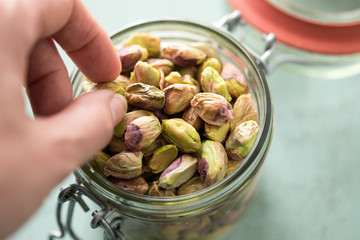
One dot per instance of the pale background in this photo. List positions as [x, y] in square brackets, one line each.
[310, 185]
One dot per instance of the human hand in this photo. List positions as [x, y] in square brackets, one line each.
[38, 154]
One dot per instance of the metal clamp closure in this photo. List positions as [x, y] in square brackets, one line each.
[73, 194]
[227, 24]
[231, 20]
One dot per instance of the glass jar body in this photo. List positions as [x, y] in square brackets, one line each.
[212, 223]
[208, 213]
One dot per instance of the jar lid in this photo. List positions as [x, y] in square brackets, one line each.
[310, 32]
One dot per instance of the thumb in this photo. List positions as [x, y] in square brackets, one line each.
[50, 148]
[85, 126]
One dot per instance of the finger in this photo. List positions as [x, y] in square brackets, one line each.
[49, 88]
[86, 42]
[79, 34]
[85, 126]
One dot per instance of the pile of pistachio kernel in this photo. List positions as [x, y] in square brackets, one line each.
[190, 122]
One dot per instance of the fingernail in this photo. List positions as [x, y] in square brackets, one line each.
[118, 107]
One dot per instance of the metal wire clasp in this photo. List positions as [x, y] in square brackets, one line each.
[227, 24]
[73, 194]
[234, 19]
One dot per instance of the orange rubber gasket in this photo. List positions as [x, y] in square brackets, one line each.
[305, 35]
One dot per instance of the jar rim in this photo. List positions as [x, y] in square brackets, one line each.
[102, 186]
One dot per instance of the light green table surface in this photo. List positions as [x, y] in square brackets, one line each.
[310, 185]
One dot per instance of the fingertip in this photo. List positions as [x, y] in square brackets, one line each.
[88, 45]
[118, 107]
[109, 68]
[87, 124]
[98, 60]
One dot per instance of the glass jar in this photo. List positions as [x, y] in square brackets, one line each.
[206, 214]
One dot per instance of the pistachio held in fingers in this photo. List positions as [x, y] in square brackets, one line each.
[241, 140]
[87, 85]
[178, 97]
[154, 190]
[194, 184]
[235, 80]
[180, 133]
[165, 65]
[191, 116]
[183, 55]
[145, 96]
[212, 162]
[144, 73]
[211, 81]
[142, 132]
[124, 81]
[136, 185]
[212, 108]
[162, 157]
[130, 55]
[98, 162]
[244, 110]
[124, 165]
[113, 86]
[150, 42]
[216, 133]
[178, 172]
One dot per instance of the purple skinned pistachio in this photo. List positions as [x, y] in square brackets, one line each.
[206, 48]
[178, 172]
[130, 55]
[136, 185]
[183, 55]
[129, 117]
[142, 132]
[212, 108]
[212, 163]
